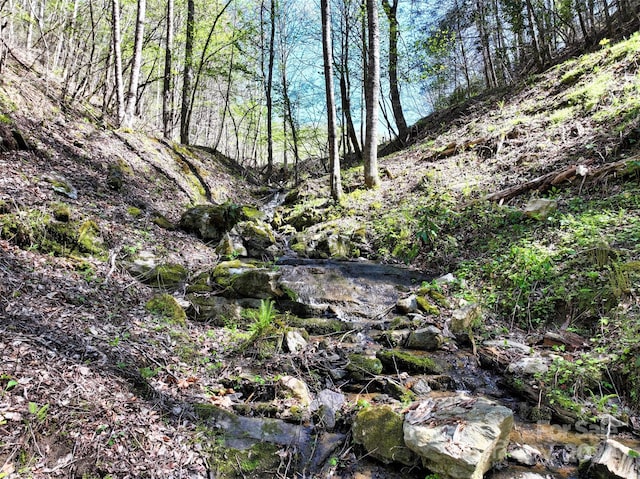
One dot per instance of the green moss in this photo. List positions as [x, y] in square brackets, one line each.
[251, 213]
[426, 306]
[257, 462]
[61, 212]
[162, 222]
[395, 360]
[134, 211]
[362, 367]
[379, 430]
[89, 239]
[168, 275]
[318, 326]
[168, 308]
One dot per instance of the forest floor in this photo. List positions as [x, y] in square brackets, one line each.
[79, 350]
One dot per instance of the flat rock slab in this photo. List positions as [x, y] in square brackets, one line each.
[458, 437]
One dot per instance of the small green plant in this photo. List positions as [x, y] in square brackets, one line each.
[147, 372]
[262, 319]
[39, 412]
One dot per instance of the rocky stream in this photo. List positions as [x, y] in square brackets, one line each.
[381, 363]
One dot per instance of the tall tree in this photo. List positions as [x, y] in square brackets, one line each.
[117, 56]
[391, 10]
[187, 75]
[269, 84]
[136, 65]
[167, 81]
[327, 54]
[371, 94]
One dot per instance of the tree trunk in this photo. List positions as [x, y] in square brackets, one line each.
[391, 9]
[269, 85]
[117, 56]
[334, 160]
[372, 92]
[167, 81]
[136, 64]
[187, 74]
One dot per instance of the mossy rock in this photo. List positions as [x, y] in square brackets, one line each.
[379, 430]
[439, 298]
[134, 211]
[162, 222]
[168, 307]
[210, 222]
[318, 326]
[395, 360]
[89, 238]
[168, 276]
[426, 305]
[362, 367]
[61, 185]
[61, 212]
[115, 177]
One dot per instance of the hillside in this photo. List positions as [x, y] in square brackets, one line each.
[96, 382]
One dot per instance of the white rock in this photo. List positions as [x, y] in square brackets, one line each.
[459, 437]
[296, 388]
[529, 366]
[613, 460]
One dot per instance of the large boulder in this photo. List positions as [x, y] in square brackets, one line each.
[210, 222]
[458, 437]
[613, 460]
[379, 431]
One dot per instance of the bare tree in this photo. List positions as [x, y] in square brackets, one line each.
[117, 56]
[136, 65]
[327, 53]
[372, 93]
[167, 81]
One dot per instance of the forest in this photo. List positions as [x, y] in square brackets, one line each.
[392, 239]
[246, 77]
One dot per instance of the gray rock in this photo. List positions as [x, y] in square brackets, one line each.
[425, 339]
[258, 283]
[540, 208]
[421, 387]
[508, 344]
[463, 318]
[295, 341]
[613, 460]
[214, 309]
[524, 454]
[290, 386]
[328, 403]
[407, 305]
[529, 366]
[458, 437]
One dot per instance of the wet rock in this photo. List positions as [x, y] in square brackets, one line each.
[407, 305]
[260, 283]
[397, 361]
[290, 386]
[425, 339]
[379, 430]
[458, 437]
[328, 403]
[243, 432]
[421, 387]
[362, 367]
[524, 454]
[613, 460]
[295, 340]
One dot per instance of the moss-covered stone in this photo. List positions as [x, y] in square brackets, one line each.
[61, 212]
[168, 276]
[426, 306]
[362, 367]
[89, 239]
[168, 307]
[162, 222]
[379, 430]
[317, 326]
[134, 211]
[395, 360]
[115, 176]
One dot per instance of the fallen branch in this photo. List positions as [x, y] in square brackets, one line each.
[567, 174]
